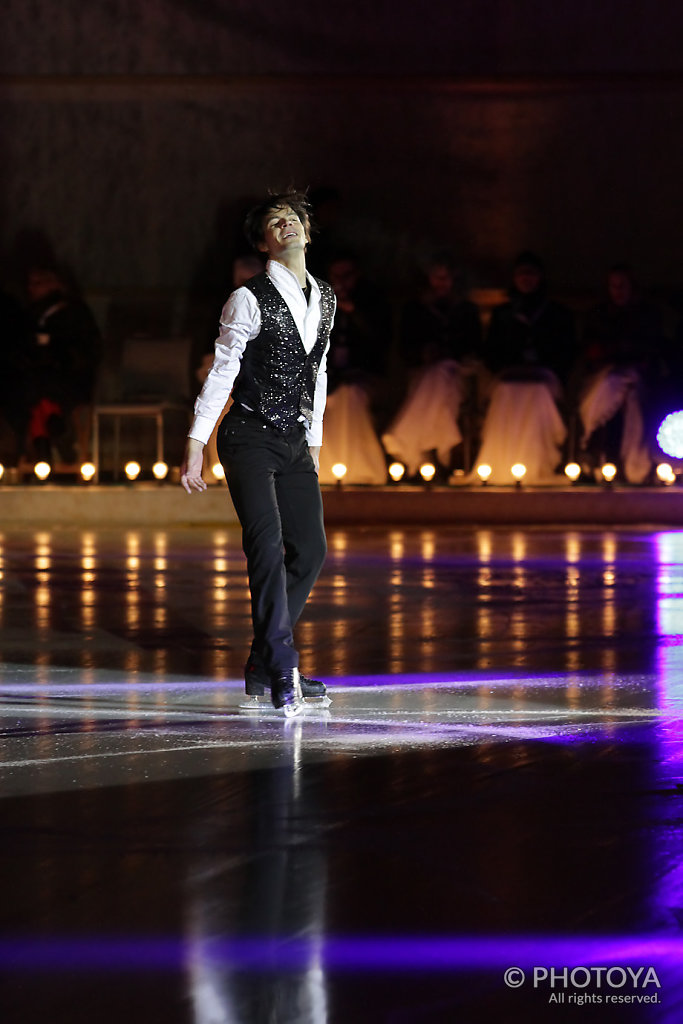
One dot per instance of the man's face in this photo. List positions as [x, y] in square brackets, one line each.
[283, 232]
[42, 283]
[619, 288]
[343, 276]
[440, 281]
[527, 278]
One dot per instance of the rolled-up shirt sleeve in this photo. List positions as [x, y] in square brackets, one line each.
[240, 322]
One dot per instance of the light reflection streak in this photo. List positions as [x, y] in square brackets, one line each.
[573, 690]
[428, 546]
[42, 543]
[396, 545]
[340, 543]
[462, 679]
[132, 661]
[89, 564]
[88, 620]
[42, 596]
[519, 617]
[519, 547]
[609, 548]
[396, 610]
[42, 616]
[484, 586]
[573, 548]
[132, 582]
[669, 549]
[429, 639]
[609, 609]
[397, 632]
[518, 632]
[404, 953]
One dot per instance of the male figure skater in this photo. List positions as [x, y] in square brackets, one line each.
[271, 355]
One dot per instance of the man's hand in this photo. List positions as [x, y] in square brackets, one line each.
[315, 455]
[191, 469]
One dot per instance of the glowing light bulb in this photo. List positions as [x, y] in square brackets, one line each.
[88, 471]
[42, 470]
[218, 471]
[670, 434]
[427, 471]
[339, 471]
[396, 471]
[665, 473]
[160, 470]
[2, 471]
[609, 471]
[132, 470]
[573, 471]
[518, 471]
[484, 472]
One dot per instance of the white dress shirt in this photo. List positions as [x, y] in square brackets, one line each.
[240, 322]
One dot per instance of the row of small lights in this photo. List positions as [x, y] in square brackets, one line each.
[132, 470]
[160, 470]
[665, 473]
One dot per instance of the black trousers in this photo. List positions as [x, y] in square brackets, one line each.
[274, 488]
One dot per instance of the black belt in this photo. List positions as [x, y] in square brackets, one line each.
[239, 412]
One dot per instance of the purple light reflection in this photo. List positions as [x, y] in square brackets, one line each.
[19, 689]
[405, 679]
[669, 547]
[356, 953]
[459, 679]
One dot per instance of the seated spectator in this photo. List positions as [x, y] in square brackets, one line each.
[63, 356]
[361, 336]
[441, 323]
[531, 337]
[356, 362]
[440, 342]
[530, 348]
[617, 374]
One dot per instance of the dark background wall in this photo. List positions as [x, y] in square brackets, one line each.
[134, 131]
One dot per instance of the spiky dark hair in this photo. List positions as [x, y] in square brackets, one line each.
[253, 222]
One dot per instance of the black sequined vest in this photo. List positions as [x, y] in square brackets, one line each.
[277, 376]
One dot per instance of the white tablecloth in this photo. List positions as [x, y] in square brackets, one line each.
[349, 437]
[428, 418]
[522, 424]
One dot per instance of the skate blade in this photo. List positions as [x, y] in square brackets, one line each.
[256, 704]
[264, 706]
[317, 702]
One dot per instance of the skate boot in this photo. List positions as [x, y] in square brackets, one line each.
[285, 693]
[313, 691]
